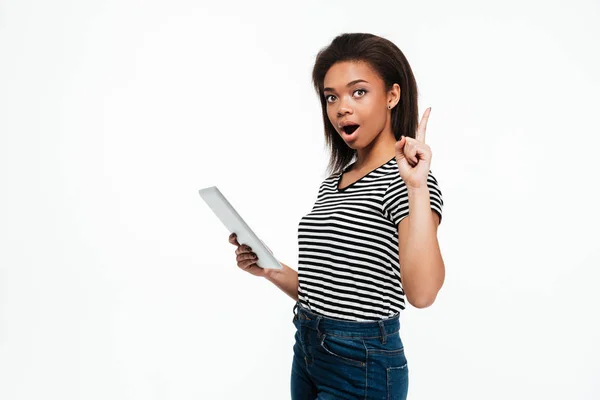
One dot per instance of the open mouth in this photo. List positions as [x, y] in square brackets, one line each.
[349, 129]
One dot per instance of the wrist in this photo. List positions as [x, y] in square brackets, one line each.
[417, 190]
[270, 274]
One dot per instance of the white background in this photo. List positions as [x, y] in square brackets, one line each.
[117, 281]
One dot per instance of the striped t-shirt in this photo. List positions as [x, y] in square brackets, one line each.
[348, 264]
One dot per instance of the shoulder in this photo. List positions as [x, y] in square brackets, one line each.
[395, 183]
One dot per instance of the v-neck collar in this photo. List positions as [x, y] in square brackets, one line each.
[339, 178]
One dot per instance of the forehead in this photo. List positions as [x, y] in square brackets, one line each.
[340, 73]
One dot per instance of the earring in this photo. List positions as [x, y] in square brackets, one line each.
[390, 106]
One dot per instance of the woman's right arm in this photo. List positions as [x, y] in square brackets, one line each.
[285, 279]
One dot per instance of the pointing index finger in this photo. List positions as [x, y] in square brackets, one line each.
[423, 126]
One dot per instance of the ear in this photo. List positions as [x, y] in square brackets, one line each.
[394, 95]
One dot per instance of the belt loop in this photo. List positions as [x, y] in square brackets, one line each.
[318, 321]
[383, 337]
[295, 311]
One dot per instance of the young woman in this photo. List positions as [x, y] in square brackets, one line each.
[362, 254]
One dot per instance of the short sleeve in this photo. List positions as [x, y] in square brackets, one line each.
[395, 198]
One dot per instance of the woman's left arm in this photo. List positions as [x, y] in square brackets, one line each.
[421, 264]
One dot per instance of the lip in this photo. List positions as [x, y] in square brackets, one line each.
[345, 123]
[351, 137]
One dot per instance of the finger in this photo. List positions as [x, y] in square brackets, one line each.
[410, 162]
[246, 264]
[243, 249]
[412, 158]
[401, 160]
[246, 256]
[400, 145]
[233, 239]
[410, 151]
[402, 152]
[423, 126]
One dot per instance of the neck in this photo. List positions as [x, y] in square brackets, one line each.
[380, 150]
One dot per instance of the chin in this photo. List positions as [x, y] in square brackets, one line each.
[356, 144]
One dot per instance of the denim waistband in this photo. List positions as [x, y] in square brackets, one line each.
[334, 326]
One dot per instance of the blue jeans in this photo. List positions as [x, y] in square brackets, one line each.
[342, 360]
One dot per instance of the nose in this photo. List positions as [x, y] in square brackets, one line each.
[344, 107]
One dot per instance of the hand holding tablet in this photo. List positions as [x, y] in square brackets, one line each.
[246, 259]
[236, 225]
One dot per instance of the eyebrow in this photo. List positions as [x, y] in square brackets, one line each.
[348, 85]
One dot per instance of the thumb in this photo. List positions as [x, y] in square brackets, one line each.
[400, 147]
[400, 157]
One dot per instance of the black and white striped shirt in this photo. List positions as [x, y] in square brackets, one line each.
[348, 264]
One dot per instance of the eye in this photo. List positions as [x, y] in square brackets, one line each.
[360, 90]
[357, 90]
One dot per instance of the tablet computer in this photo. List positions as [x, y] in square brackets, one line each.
[234, 223]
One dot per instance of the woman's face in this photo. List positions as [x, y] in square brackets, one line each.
[356, 95]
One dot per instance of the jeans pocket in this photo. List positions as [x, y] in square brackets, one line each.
[393, 347]
[348, 350]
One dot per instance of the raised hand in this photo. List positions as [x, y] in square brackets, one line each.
[413, 156]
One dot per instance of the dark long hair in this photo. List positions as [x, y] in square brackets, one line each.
[388, 61]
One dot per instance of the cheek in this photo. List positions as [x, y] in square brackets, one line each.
[376, 118]
[331, 116]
